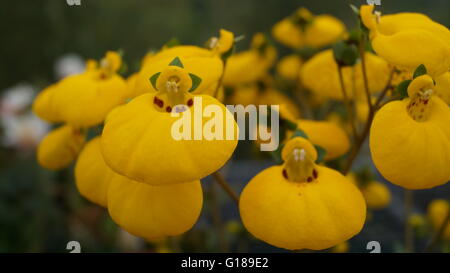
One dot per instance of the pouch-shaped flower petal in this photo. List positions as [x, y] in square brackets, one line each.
[145, 142]
[60, 147]
[409, 43]
[301, 205]
[410, 139]
[84, 100]
[44, 107]
[327, 135]
[437, 212]
[250, 65]
[442, 88]
[289, 67]
[302, 29]
[153, 212]
[323, 66]
[92, 175]
[377, 195]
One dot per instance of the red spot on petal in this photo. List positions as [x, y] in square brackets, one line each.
[168, 109]
[285, 174]
[158, 102]
[190, 102]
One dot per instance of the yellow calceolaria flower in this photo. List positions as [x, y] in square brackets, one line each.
[199, 61]
[410, 139]
[154, 212]
[323, 66]
[301, 205]
[320, 132]
[263, 94]
[85, 99]
[377, 195]
[143, 210]
[408, 40]
[289, 67]
[442, 87]
[343, 247]
[60, 147]
[44, 107]
[303, 29]
[137, 139]
[223, 44]
[250, 65]
[437, 212]
[92, 176]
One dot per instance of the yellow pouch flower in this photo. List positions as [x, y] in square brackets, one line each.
[300, 204]
[437, 212]
[377, 195]
[410, 139]
[44, 107]
[409, 40]
[60, 147]
[92, 175]
[289, 67]
[327, 135]
[323, 66]
[303, 29]
[138, 142]
[84, 100]
[251, 65]
[153, 212]
[442, 88]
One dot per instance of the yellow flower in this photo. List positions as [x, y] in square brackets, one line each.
[302, 29]
[60, 147]
[92, 176]
[250, 65]
[137, 139]
[437, 212]
[343, 247]
[416, 220]
[323, 66]
[410, 139]
[85, 99]
[377, 195]
[131, 83]
[408, 40]
[146, 211]
[44, 107]
[289, 67]
[153, 212]
[199, 61]
[300, 204]
[223, 44]
[442, 88]
[327, 135]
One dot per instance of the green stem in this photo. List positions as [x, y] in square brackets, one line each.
[347, 103]
[226, 187]
[409, 232]
[438, 234]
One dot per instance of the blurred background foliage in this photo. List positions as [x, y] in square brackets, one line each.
[41, 210]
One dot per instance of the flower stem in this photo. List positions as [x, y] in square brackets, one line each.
[438, 234]
[348, 104]
[409, 232]
[362, 137]
[225, 186]
[220, 82]
[364, 72]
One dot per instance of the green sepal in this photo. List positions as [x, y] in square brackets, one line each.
[176, 62]
[153, 79]
[172, 42]
[420, 70]
[345, 54]
[196, 80]
[321, 152]
[402, 89]
[299, 133]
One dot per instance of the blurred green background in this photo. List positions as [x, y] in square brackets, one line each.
[41, 210]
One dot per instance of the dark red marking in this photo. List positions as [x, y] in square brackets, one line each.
[190, 102]
[285, 174]
[315, 175]
[168, 109]
[158, 102]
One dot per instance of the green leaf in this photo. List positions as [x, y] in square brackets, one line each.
[402, 89]
[321, 152]
[153, 79]
[345, 54]
[196, 80]
[420, 70]
[172, 42]
[176, 62]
